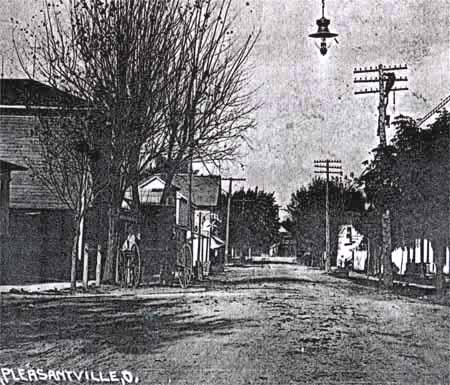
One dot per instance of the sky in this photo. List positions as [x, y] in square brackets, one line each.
[309, 110]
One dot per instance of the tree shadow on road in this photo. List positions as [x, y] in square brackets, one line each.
[258, 280]
[130, 326]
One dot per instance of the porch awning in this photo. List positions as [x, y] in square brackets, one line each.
[216, 242]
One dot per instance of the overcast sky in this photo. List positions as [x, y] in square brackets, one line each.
[310, 110]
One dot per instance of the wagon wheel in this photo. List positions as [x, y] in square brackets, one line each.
[133, 269]
[185, 260]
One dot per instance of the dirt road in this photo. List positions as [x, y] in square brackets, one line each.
[258, 325]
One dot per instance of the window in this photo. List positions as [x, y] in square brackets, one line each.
[170, 201]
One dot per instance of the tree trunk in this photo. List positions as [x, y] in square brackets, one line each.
[367, 262]
[422, 257]
[168, 179]
[81, 251]
[387, 257]
[137, 207]
[98, 267]
[85, 266]
[374, 257]
[380, 260]
[439, 248]
[109, 273]
[73, 269]
[82, 255]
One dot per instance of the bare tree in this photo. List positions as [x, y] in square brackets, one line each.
[209, 104]
[111, 54]
[163, 78]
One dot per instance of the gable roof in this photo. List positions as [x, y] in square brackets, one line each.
[148, 195]
[8, 166]
[153, 178]
[16, 93]
[205, 188]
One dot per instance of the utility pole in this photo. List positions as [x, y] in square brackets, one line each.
[386, 79]
[227, 230]
[190, 211]
[242, 238]
[328, 167]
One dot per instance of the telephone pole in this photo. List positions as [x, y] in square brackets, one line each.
[328, 167]
[227, 230]
[386, 80]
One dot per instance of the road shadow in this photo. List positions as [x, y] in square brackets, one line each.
[401, 289]
[129, 326]
[256, 280]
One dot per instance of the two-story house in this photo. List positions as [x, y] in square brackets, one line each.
[40, 235]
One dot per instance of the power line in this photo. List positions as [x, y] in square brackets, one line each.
[386, 79]
[327, 167]
[439, 107]
[227, 230]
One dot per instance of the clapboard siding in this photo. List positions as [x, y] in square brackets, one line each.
[18, 145]
[38, 247]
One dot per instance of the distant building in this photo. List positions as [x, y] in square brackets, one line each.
[354, 250]
[286, 246]
[205, 191]
[162, 217]
[150, 194]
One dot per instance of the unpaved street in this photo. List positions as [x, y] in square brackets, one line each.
[255, 325]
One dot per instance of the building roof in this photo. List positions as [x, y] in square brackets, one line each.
[18, 145]
[205, 188]
[151, 179]
[31, 93]
[282, 230]
[149, 195]
[8, 166]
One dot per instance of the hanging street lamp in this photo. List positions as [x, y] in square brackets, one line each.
[323, 32]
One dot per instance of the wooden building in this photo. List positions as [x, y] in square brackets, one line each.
[5, 179]
[163, 220]
[207, 247]
[40, 226]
